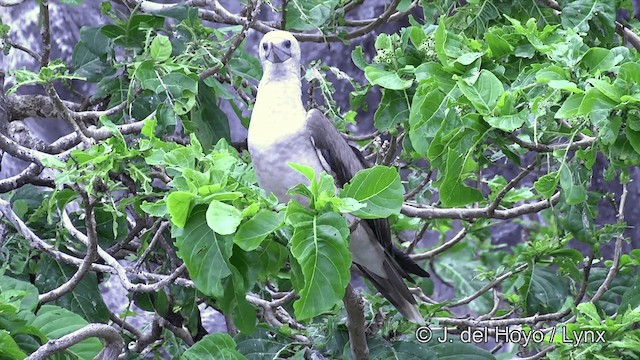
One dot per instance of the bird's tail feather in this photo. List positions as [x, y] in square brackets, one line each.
[396, 291]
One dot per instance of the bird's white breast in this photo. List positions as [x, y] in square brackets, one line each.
[278, 135]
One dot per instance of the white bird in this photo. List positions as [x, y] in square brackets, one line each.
[281, 131]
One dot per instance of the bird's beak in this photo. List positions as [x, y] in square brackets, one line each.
[278, 55]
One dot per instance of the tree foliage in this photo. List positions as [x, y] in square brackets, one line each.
[149, 188]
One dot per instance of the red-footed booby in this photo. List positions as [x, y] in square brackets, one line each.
[282, 131]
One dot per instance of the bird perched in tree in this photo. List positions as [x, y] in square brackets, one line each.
[282, 131]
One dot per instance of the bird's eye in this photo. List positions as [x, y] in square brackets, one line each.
[265, 46]
[287, 44]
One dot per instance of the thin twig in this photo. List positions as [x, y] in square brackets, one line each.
[474, 213]
[494, 205]
[253, 8]
[617, 252]
[442, 248]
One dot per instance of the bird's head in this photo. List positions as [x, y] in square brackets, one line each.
[279, 51]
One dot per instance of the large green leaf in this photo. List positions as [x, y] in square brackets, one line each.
[84, 300]
[55, 322]
[205, 252]
[319, 244]
[579, 14]
[234, 303]
[379, 188]
[453, 192]
[484, 92]
[208, 122]
[8, 347]
[214, 346]
[544, 291]
[29, 300]
[426, 116]
[179, 205]
[381, 349]
[392, 111]
[261, 345]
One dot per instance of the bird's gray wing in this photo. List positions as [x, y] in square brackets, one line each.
[344, 162]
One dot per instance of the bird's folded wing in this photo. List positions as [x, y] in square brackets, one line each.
[344, 162]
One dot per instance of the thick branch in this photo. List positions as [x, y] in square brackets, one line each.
[113, 343]
[354, 305]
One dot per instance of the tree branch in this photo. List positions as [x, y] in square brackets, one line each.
[354, 305]
[113, 343]
[253, 8]
[474, 213]
[92, 250]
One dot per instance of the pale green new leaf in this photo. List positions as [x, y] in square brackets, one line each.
[251, 233]
[223, 218]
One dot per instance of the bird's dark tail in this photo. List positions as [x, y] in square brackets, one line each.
[396, 291]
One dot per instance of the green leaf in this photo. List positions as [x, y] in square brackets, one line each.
[357, 56]
[205, 253]
[386, 79]
[570, 107]
[599, 59]
[426, 116]
[484, 92]
[309, 14]
[609, 90]
[208, 122]
[55, 322]
[565, 85]
[223, 218]
[319, 244]
[234, 303]
[498, 45]
[379, 188]
[453, 192]
[213, 346]
[261, 345]
[508, 122]
[544, 290]
[160, 48]
[547, 184]
[579, 13]
[380, 348]
[251, 233]
[29, 297]
[454, 350]
[8, 347]
[573, 192]
[392, 111]
[634, 138]
[179, 205]
[84, 299]
[630, 73]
